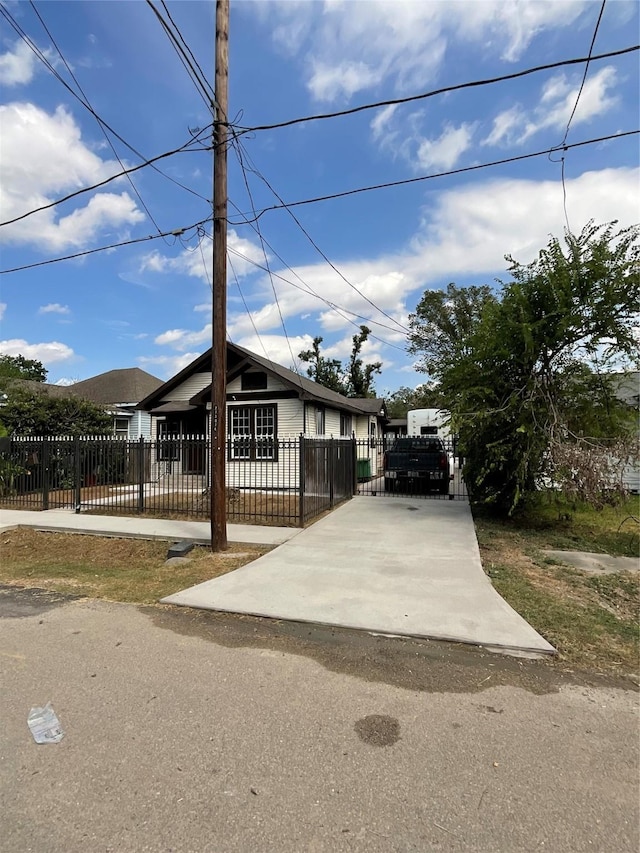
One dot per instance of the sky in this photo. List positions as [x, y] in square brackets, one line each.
[365, 258]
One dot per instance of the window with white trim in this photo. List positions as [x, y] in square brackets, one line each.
[345, 424]
[320, 422]
[253, 432]
[121, 427]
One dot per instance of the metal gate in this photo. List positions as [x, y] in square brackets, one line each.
[371, 480]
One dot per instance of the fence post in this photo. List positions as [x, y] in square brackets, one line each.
[301, 483]
[354, 465]
[141, 474]
[45, 472]
[78, 484]
[332, 471]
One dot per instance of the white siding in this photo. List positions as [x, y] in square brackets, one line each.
[332, 423]
[140, 425]
[188, 388]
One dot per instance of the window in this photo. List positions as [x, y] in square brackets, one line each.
[168, 440]
[320, 422]
[429, 430]
[345, 424]
[254, 381]
[121, 427]
[253, 432]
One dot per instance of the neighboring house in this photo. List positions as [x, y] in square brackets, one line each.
[265, 403]
[117, 391]
[396, 427]
[120, 391]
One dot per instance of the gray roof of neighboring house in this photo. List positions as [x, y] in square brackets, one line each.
[40, 387]
[127, 385]
[308, 390]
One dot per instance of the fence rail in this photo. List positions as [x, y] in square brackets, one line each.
[269, 481]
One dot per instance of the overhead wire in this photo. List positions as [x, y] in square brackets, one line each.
[573, 111]
[266, 261]
[177, 232]
[327, 302]
[100, 125]
[306, 288]
[433, 176]
[182, 149]
[34, 48]
[242, 151]
[434, 92]
[202, 85]
[246, 307]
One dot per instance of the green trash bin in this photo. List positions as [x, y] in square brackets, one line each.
[363, 469]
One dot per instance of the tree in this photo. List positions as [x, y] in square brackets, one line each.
[427, 396]
[325, 371]
[355, 379]
[529, 379]
[28, 412]
[19, 367]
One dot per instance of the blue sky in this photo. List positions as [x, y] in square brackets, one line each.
[148, 304]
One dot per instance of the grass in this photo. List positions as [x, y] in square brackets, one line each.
[591, 619]
[130, 570]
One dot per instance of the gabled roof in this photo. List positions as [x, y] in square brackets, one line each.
[238, 358]
[128, 385]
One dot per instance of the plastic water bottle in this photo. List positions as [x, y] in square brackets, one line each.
[45, 726]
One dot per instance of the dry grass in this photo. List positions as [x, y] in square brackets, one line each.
[131, 570]
[591, 619]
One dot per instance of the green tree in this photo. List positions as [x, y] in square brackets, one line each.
[530, 378]
[355, 379]
[426, 396]
[19, 367]
[28, 412]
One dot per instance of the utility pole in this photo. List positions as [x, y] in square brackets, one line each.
[219, 308]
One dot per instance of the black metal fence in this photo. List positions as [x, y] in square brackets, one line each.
[269, 481]
[445, 482]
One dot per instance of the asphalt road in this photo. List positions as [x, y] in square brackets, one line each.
[196, 732]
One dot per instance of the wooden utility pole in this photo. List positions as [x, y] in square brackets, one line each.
[219, 310]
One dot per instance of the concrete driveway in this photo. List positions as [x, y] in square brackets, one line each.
[387, 565]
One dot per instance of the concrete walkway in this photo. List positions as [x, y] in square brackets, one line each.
[67, 521]
[385, 565]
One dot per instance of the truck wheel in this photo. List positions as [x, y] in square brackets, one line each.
[389, 484]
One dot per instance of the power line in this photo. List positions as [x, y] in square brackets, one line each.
[332, 305]
[308, 289]
[573, 111]
[183, 149]
[177, 232]
[246, 307]
[33, 47]
[424, 95]
[203, 76]
[421, 178]
[105, 134]
[586, 71]
[202, 86]
[315, 245]
[266, 261]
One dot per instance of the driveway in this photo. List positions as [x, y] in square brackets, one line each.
[385, 565]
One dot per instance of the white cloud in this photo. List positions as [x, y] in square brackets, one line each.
[3, 308]
[348, 47]
[31, 135]
[168, 365]
[181, 339]
[197, 264]
[54, 308]
[445, 151]
[17, 66]
[557, 99]
[465, 234]
[51, 352]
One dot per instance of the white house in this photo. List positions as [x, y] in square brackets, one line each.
[266, 404]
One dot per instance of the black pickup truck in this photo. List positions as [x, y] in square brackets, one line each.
[414, 464]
